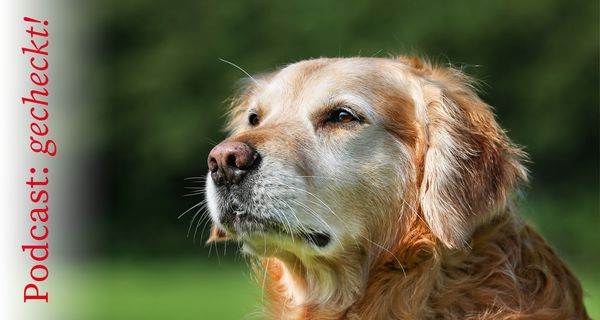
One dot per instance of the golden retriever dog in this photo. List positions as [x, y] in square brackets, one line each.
[373, 188]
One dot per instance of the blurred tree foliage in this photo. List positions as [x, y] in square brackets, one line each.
[163, 93]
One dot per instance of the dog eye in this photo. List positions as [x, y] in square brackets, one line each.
[342, 116]
[253, 119]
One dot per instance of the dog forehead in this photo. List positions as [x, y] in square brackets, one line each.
[313, 83]
[326, 73]
[300, 81]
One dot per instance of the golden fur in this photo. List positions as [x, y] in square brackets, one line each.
[448, 244]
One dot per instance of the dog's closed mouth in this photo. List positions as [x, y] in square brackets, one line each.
[240, 220]
[319, 239]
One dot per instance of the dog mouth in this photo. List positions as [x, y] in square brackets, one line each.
[319, 239]
[240, 223]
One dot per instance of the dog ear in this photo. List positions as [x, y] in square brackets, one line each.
[216, 235]
[469, 167]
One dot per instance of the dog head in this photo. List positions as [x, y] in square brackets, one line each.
[329, 154]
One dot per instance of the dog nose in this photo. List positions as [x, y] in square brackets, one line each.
[230, 161]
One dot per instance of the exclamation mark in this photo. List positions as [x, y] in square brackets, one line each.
[28, 19]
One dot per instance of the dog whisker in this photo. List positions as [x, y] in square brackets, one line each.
[242, 70]
[192, 194]
[204, 218]
[188, 210]
[195, 188]
[191, 224]
[199, 179]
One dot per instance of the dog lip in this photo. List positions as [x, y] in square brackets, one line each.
[319, 239]
[237, 219]
[240, 222]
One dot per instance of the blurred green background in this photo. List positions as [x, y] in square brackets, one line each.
[162, 94]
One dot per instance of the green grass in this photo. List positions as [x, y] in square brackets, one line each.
[170, 291]
[591, 292]
[181, 290]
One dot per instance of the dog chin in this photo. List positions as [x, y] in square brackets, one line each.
[282, 245]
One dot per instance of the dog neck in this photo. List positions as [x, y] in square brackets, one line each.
[420, 279]
[316, 289]
[336, 288]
